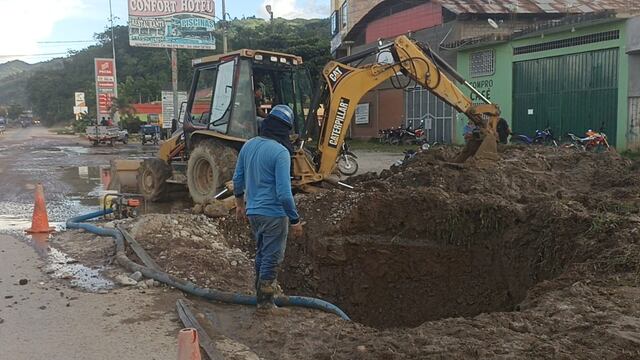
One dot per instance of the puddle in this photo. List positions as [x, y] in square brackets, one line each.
[13, 223]
[74, 149]
[61, 266]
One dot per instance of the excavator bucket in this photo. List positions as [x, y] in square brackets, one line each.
[124, 175]
[480, 149]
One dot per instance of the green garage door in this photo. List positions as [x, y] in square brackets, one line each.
[570, 93]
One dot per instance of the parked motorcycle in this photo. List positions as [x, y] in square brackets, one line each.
[410, 137]
[597, 141]
[593, 141]
[542, 137]
[346, 163]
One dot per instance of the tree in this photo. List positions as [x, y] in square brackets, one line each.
[122, 106]
[144, 72]
[15, 110]
[3, 112]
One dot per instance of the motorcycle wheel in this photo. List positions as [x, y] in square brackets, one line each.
[394, 141]
[347, 165]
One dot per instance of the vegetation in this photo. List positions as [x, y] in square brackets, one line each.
[14, 111]
[144, 72]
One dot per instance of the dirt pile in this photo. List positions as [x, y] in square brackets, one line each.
[431, 239]
[194, 248]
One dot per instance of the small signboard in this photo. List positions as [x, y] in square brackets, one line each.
[186, 24]
[79, 97]
[167, 106]
[362, 114]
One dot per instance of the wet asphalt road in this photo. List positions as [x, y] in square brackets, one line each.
[49, 318]
[67, 166]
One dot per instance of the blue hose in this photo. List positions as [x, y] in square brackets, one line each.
[78, 222]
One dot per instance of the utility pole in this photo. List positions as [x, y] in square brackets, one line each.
[113, 38]
[224, 28]
[174, 81]
[115, 72]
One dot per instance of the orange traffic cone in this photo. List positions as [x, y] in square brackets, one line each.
[40, 220]
[188, 345]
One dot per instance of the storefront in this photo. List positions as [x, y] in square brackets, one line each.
[571, 75]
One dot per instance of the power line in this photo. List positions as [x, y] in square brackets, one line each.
[67, 41]
[33, 55]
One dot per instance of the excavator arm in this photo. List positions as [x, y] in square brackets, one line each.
[346, 85]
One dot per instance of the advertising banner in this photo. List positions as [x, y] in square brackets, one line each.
[106, 86]
[79, 96]
[167, 106]
[80, 105]
[180, 24]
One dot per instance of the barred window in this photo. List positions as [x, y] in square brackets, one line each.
[574, 41]
[482, 63]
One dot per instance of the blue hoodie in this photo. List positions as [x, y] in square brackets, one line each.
[263, 173]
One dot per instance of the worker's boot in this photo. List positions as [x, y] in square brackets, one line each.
[265, 295]
[267, 291]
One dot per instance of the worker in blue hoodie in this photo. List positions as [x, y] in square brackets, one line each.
[262, 187]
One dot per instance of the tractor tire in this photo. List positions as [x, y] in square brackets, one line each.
[152, 179]
[211, 165]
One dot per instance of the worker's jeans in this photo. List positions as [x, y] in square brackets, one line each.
[271, 240]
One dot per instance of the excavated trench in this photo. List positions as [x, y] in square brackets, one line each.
[388, 264]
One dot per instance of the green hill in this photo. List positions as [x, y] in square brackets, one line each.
[144, 72]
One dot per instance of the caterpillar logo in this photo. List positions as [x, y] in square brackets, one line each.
[341, 115]
[337, 74]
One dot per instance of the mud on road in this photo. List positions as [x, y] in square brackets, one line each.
[536, 256]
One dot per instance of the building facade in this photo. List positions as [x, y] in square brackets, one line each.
[447, 26]
[580, 73]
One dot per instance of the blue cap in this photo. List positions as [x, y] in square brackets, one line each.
[284, 114]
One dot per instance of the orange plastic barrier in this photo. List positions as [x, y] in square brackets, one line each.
[188, 345]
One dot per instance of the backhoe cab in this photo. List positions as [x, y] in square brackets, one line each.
[229, 96]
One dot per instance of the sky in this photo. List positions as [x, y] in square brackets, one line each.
[38, 30]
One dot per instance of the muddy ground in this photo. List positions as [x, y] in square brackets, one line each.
[536, 256]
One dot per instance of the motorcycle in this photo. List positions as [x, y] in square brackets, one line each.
[597, 141]
[417, 136]
[346, 162]
[594, 141]
[542, 137]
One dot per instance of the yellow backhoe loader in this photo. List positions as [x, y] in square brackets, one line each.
[229, 92]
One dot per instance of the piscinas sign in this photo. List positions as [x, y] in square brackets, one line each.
[181, 24]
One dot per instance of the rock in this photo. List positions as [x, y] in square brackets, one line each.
[142, 285]
[197, 209]
[234, 263]
[196, 238]
[184, 233]
[215, 209]
[151, 283]
[124, 280]
[137, 276]
[23, 281]
[42, 307]
[361, 348]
